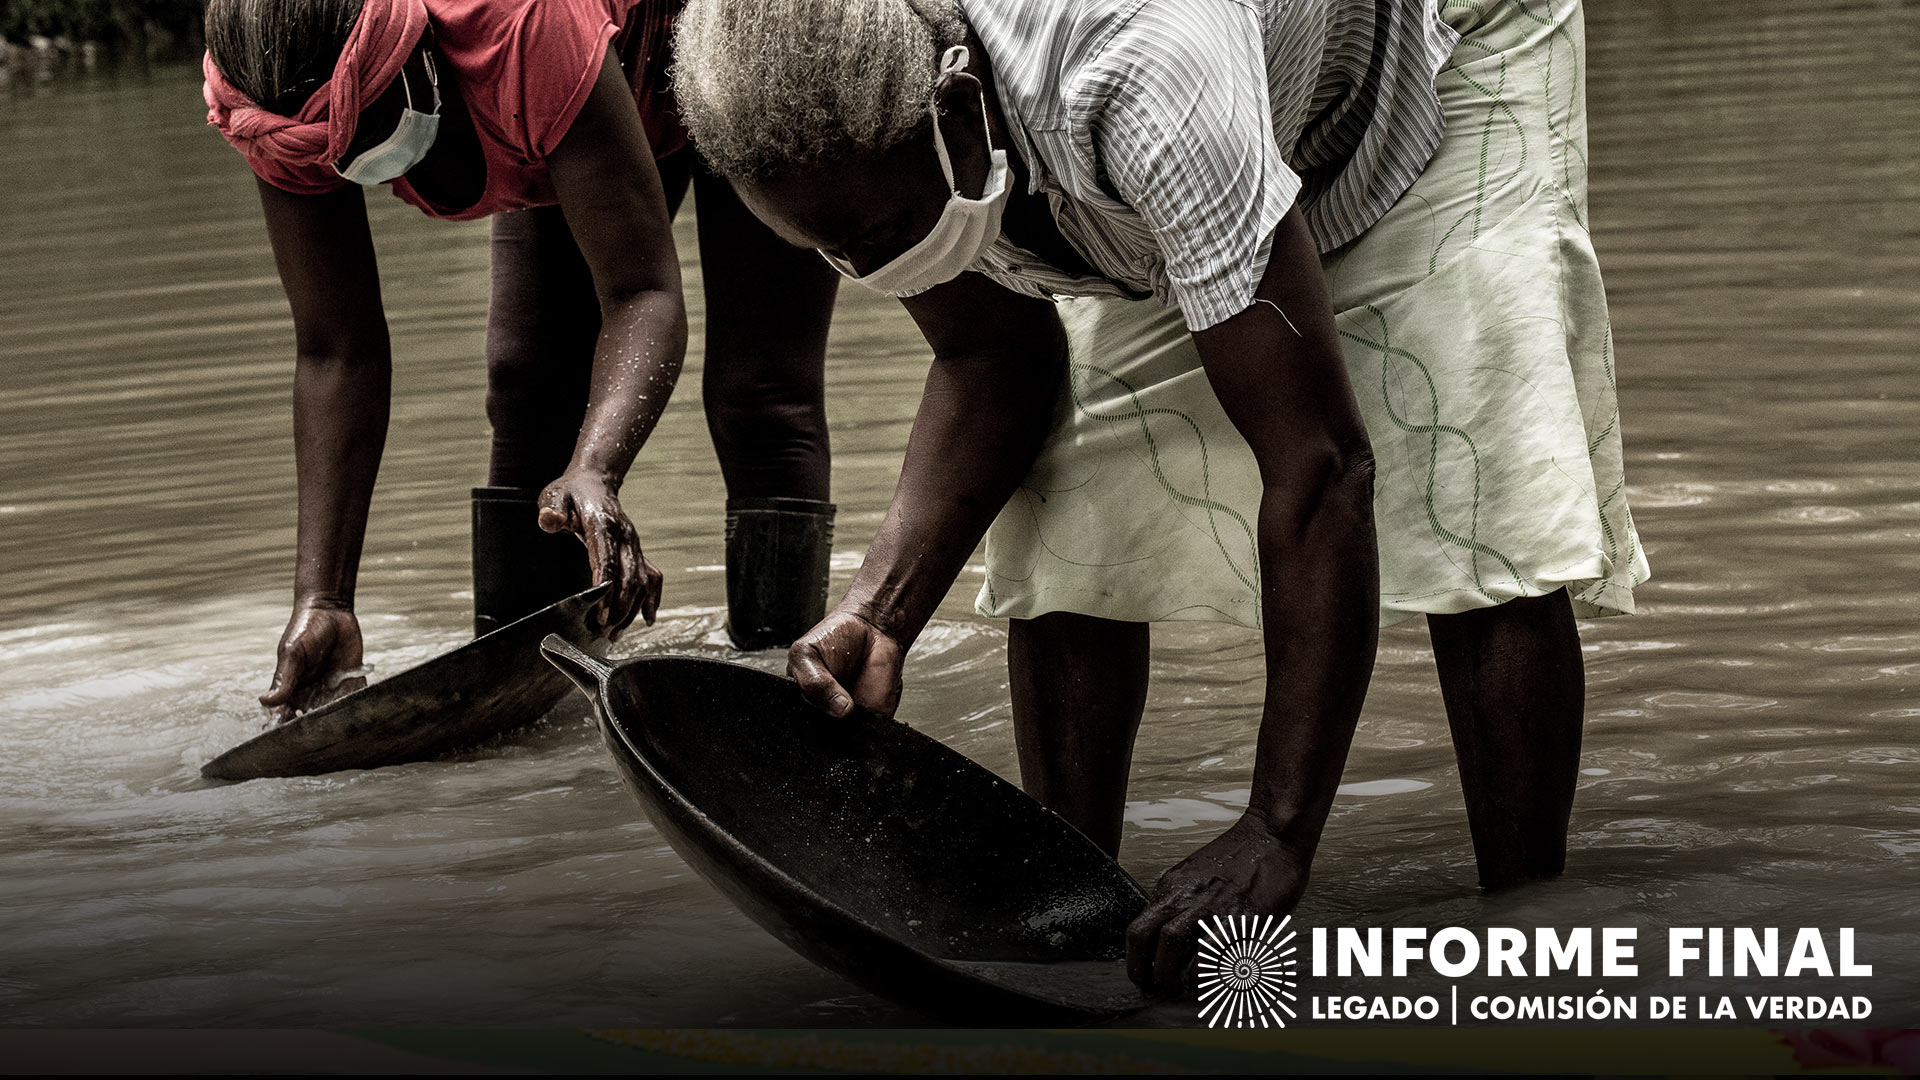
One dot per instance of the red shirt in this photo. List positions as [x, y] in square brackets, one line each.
[524, 69]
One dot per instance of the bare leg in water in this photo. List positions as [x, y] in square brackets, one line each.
[1511, 676]
[1515, 689]
[1079, 687]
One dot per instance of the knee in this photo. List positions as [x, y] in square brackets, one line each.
[519, 397]
[1069, 636]
[772, 385]
[759, 412]
[537, 368]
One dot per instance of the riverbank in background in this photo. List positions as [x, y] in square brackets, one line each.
[41, 38]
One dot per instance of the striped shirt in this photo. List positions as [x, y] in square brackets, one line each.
[1170, 136]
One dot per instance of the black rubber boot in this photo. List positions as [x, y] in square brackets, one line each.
[517, 568]
[777, 555]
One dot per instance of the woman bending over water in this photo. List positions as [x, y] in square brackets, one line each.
[553, 116]
[1282, 313]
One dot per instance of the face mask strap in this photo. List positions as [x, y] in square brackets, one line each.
[408, 114]
[433, 80]
[966, 226]
[952, 62]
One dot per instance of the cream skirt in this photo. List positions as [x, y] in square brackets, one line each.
[1475, 332]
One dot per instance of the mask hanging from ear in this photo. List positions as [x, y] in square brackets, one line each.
[408, 144]
[966, 229]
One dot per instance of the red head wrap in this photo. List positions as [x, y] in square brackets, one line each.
[383, 38]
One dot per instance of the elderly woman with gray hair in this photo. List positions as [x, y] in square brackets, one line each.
[1277, 313]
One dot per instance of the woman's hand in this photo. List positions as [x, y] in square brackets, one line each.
[1246, 870]
[319, 660]
[588, 506]
[846, 650]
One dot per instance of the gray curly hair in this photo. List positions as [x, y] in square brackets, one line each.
[768, 85]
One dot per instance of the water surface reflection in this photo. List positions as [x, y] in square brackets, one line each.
[1750, 747]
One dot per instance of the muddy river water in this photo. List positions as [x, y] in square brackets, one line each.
[1750, 754]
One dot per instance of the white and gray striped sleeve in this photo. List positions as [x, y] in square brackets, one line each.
[1174, 116]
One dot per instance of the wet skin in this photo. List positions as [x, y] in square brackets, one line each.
[763, 376]
[604, 175]
[1510, 675]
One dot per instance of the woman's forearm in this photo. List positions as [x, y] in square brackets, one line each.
[1320, 602]
[998, 359]
[643, 343]
[609, 188]
[340, 408]
[342, 375]
[1280, 373]
[998, 362]
[981, 424]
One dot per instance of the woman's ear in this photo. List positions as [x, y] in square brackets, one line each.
[961, 113]
[958, 91]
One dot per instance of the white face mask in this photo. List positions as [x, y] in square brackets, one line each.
[967, 227]
[408, 144]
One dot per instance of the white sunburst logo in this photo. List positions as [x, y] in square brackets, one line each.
[1248, 964]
